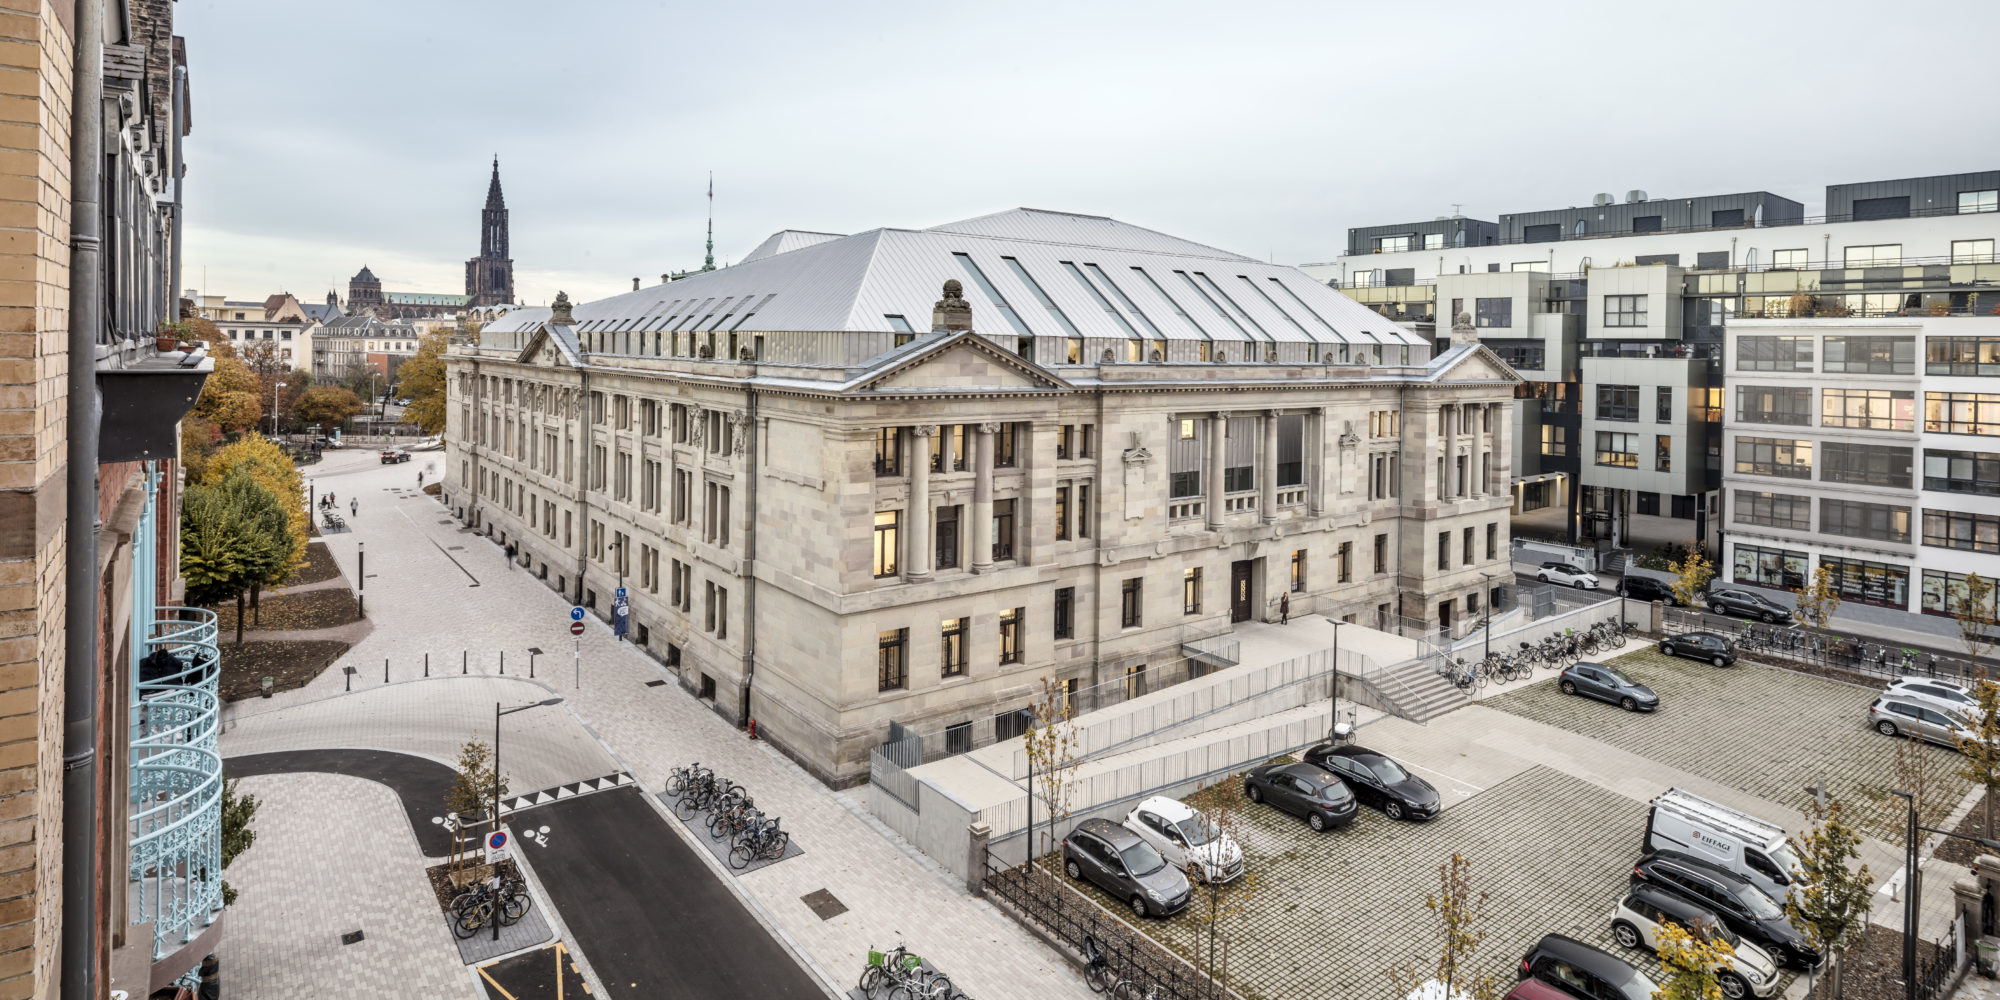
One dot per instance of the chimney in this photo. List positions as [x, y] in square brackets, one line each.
[664, 278]
[635, 284]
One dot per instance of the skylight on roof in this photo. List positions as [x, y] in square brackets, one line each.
[899, 324]
[993, 295]
[1183, 313]
[1047, 303]
[1310, 311]
[1101, 300]
[1130, 306]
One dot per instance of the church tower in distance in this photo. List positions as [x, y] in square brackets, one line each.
[489, 277]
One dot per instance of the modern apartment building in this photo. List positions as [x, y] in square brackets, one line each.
[1870, 446]
[837, 501]
[1615, 315]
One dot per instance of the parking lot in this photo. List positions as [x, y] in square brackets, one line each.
[1553, 824]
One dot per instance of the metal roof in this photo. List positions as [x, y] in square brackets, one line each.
[1025, 271]
[785, 240]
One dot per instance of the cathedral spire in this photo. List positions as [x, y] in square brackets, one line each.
[489, 277]
[708, 262]
[493, 198]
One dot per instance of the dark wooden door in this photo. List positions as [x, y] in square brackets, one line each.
[1239, 591]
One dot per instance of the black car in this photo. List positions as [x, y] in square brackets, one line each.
[1700, 646]
[1740, 904]
[1748, 605]
[1579, 970]
[1605, 683]
[1645, 588]
[1303, 790]
[1126, 867]
[1378, 781]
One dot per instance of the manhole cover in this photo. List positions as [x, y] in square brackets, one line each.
[654, 684]
[821, 902]
[354, 937]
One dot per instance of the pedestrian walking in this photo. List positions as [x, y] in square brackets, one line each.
[1284, 609]
[420, 480]
[353, 508]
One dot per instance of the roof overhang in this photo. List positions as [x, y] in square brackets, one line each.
[144, 404]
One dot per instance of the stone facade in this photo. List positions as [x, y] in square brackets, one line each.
[813, 533]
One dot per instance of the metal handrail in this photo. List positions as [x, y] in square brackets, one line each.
[176, 780]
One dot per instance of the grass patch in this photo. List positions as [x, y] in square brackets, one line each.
[290, 664]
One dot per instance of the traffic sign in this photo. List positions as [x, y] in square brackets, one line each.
[621, 593]
[576, 614]
[576, 628]
[497, 840]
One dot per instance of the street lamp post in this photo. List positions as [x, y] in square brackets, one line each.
[274, 407]
[497, 713]
[1486, 627]
[1333, 708]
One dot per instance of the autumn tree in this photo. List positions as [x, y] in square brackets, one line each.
[1829, 899]
[1691, 964]
[1692, 572]
[232, 539]
[1981, 747]
[269, 466]
[1461, 922]
[328, 406]
[1978, 625]
[231, 397]
[1818, 600]
[423, 382]
[1052, 742]
[237, 836]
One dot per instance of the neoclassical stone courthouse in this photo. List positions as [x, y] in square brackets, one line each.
[839, 500]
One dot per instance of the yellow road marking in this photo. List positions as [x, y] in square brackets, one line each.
[560, 952]
[497, 986]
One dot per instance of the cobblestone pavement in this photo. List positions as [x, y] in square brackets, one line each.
[334, 854]
[421, 571]
[1768, 732]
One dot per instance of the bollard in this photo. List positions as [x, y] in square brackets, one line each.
[503, 663]
[385, 670]
[464, 661]
[427, 664]
[350, 679]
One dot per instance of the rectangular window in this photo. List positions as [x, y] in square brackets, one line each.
[1444, 550]
[1393, 244]
[1663, 404]
[1381, 553]
[1064, 437]
[887, 522]
[1972, 251]
[1298, 581]
[1494, 312]
[1003, 530]
[1555, 439]
[1978, 201]
[1466, 548]
[1191, 591]
[1010, 634]
[1646, 224]
[1768, 567]
[947, 537]
[1864, 582]
[1774, 354]
[1062, 513]
[1783, 260]
[889, 451]
[1955, 529]
[1291, 450]
[951, 647]
[1065, 607]
[1945, 594]
[1766, 404]
[1868, 409]
[1962, 413]
[1871, 355]
[1625, 310]
[1618, 402]
[1853, 519]
[1962, 355]
[1131, 610]
[1867, 464]
[1962, 472]
[1758, 456]
[889, 663]
[1663, 452]
[1774, 510]
[1345, 564]
[1083, 510]
[1493, 541]
[1528, 354]
[1618, 450]
[1003, 447]
[1880, 255]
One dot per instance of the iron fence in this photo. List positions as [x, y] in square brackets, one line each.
[1040, 899]
[1790, 643]
[1938, 974]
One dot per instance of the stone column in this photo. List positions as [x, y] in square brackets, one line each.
[1218, 424]
[1317, 466]
[918, 561]
[1267, 469]
[982, 497]
[1447, 422]
[945, 456]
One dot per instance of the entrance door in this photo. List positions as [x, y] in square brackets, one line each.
[1239, 591]
[1444, 615]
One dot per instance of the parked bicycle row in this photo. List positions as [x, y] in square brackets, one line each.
[732, 814]
[502, 897]
[1553, 652]
[899, 975]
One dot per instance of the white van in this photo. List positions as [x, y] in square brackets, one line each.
[1753, 848]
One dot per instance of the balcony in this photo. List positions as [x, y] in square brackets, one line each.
[1639, 350]
[176, 778]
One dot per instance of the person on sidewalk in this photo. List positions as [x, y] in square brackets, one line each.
[420, 480]
[353, 508]
[1284, 609]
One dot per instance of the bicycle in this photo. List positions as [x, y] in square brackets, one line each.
[505, 897]
[902, 976]
[1129, 990]
[1097, 969]
[762, 841]
[731, 821]
[682, 775]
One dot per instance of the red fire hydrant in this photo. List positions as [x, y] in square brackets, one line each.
[753, 729]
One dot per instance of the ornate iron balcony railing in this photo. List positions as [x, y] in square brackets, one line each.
[176, 779]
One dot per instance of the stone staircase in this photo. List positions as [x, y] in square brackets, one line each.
[1413, 690]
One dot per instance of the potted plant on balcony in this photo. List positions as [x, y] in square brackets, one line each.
[168, 337]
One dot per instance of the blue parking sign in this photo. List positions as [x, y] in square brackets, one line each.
[576, 614]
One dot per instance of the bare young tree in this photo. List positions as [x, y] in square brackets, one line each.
[1216, 901]
[1981, 747]
[1461, 923]
[471, 791]
[1819, 600]
[1052, 743]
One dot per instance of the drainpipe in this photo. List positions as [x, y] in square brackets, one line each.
[587, 469]
[178, 168]
[80, 938]
[749, 554]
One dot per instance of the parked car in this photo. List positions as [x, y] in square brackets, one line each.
[1645, 588]
[1303, 790]
[1747, 604]
[1125, 866]
[1606, 683]
[1742, 906]
[1638, 918]
[1568, 574]
[393, 455]
[1535, 989]
[1893, 715]
[1755, 849]
[1701, 646]
[1945, 694]
[1583, 972]
[1378, 780]
[1184, 835]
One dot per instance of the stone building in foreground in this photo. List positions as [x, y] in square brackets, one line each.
[837, 500]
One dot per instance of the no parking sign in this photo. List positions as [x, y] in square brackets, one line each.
[497, 839]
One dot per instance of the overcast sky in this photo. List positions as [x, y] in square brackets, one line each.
[331, 136]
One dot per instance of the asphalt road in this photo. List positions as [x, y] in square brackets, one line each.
[543, 974]
[654, 920]
[420, 783]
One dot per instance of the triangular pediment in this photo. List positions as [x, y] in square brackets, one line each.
[544, 349]
[1478, 365]
[961, 362]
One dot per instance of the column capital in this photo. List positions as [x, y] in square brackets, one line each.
[989, 427]
[1274, 414]
[1219, 415]
[924, 430]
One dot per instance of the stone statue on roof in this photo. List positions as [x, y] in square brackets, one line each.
[559, 313]
[952, 313]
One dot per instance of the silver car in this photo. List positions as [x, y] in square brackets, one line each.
[1953, 697]
[1891, 715]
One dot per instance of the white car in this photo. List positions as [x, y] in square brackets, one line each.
[1952, 696]
[1567, 574]
[1183, 834]
[1635, 923]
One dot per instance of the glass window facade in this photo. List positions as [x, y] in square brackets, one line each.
[1616, 449]
[1618, 402]
[1768, 567]
[1494, 312]
[1774, 354]
[1944, 593]
[1876, 521]
[1758, 456]
[1879, 255]
[1765, 404]
[1957, 529]
[1962, 356]
[1962, 413]
[1866, 464]
[1882, 584]
[1774, 510]
[1871, 355]
[1962, 472]
[1625, 310]
[1868, 409]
